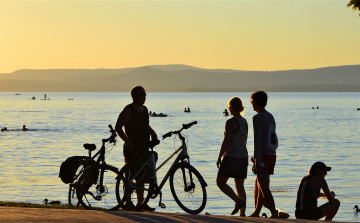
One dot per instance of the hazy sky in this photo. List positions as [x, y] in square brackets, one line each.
[237, 34]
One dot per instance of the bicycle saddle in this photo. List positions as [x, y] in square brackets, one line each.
[90, 147]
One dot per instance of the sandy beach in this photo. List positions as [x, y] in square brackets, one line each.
[19, 214]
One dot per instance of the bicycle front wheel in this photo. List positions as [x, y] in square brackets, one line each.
[92, 194]
[188, 188]
[138, 186]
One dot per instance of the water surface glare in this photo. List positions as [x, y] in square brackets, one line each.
[59, 127]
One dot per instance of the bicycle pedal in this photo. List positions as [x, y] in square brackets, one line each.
[162, 205]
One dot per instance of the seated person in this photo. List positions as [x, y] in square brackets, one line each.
[24, 128]
[4, 129]
[309, 192]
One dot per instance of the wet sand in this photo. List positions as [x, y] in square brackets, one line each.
[18, 214]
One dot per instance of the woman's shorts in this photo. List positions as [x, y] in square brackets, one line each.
[233, 167]
[311, 214]
[269, 161]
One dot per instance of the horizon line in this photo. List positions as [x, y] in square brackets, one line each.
[180, 65]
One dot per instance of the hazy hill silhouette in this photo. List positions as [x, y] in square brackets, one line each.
[182, 78]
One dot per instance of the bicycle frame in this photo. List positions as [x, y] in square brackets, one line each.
[100, 159]
[151, 163]
[186, 183]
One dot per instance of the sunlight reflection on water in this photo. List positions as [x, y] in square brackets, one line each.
[30, 160]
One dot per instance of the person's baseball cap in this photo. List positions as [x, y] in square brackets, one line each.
[318, 166]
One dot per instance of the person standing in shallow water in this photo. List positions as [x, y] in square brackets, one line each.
[233, 156]
[264, 160]
[135, 118]
[309, 192]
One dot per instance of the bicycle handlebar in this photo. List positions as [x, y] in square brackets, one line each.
[111, 128]
[185, 126]
[111, 139]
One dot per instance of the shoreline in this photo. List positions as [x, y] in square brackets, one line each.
[25, 214]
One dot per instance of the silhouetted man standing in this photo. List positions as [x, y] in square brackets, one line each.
[135, 118]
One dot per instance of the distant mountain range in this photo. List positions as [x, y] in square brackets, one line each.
[182, 78]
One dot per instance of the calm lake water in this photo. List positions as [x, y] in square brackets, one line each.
[59, 127]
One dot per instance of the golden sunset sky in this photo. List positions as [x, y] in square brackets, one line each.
[237, 34]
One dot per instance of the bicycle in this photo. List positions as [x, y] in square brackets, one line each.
[187, 185]
[94, 182]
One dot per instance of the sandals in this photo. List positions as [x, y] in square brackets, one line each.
[237, 207]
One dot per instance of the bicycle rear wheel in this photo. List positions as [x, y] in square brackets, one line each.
[94, 195]
[72, 198]
[138, 190]
[188, 188]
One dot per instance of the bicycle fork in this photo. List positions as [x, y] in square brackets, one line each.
[188, 186]
[100, 188]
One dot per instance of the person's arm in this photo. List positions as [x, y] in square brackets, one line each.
[226, 142]
[247, 130]
[123, 118]
[326, 190]
[257, 140]
[153, 134]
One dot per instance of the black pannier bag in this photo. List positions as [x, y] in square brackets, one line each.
[69, 166]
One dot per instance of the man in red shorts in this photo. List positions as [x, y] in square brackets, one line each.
[264, 158]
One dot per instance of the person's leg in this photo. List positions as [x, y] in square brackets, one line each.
[140, 195]
[256, 191]
[259, 200]
[330, 209]
[264, 185]
[129, 205]
[239, 184]
[221, 182]
[226, 189]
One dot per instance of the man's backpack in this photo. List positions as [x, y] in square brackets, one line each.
[69, 167]
[272, 141]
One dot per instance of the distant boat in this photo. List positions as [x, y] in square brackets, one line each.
[17, 94]
[358, 109]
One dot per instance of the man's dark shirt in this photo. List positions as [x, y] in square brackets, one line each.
[138, 131]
